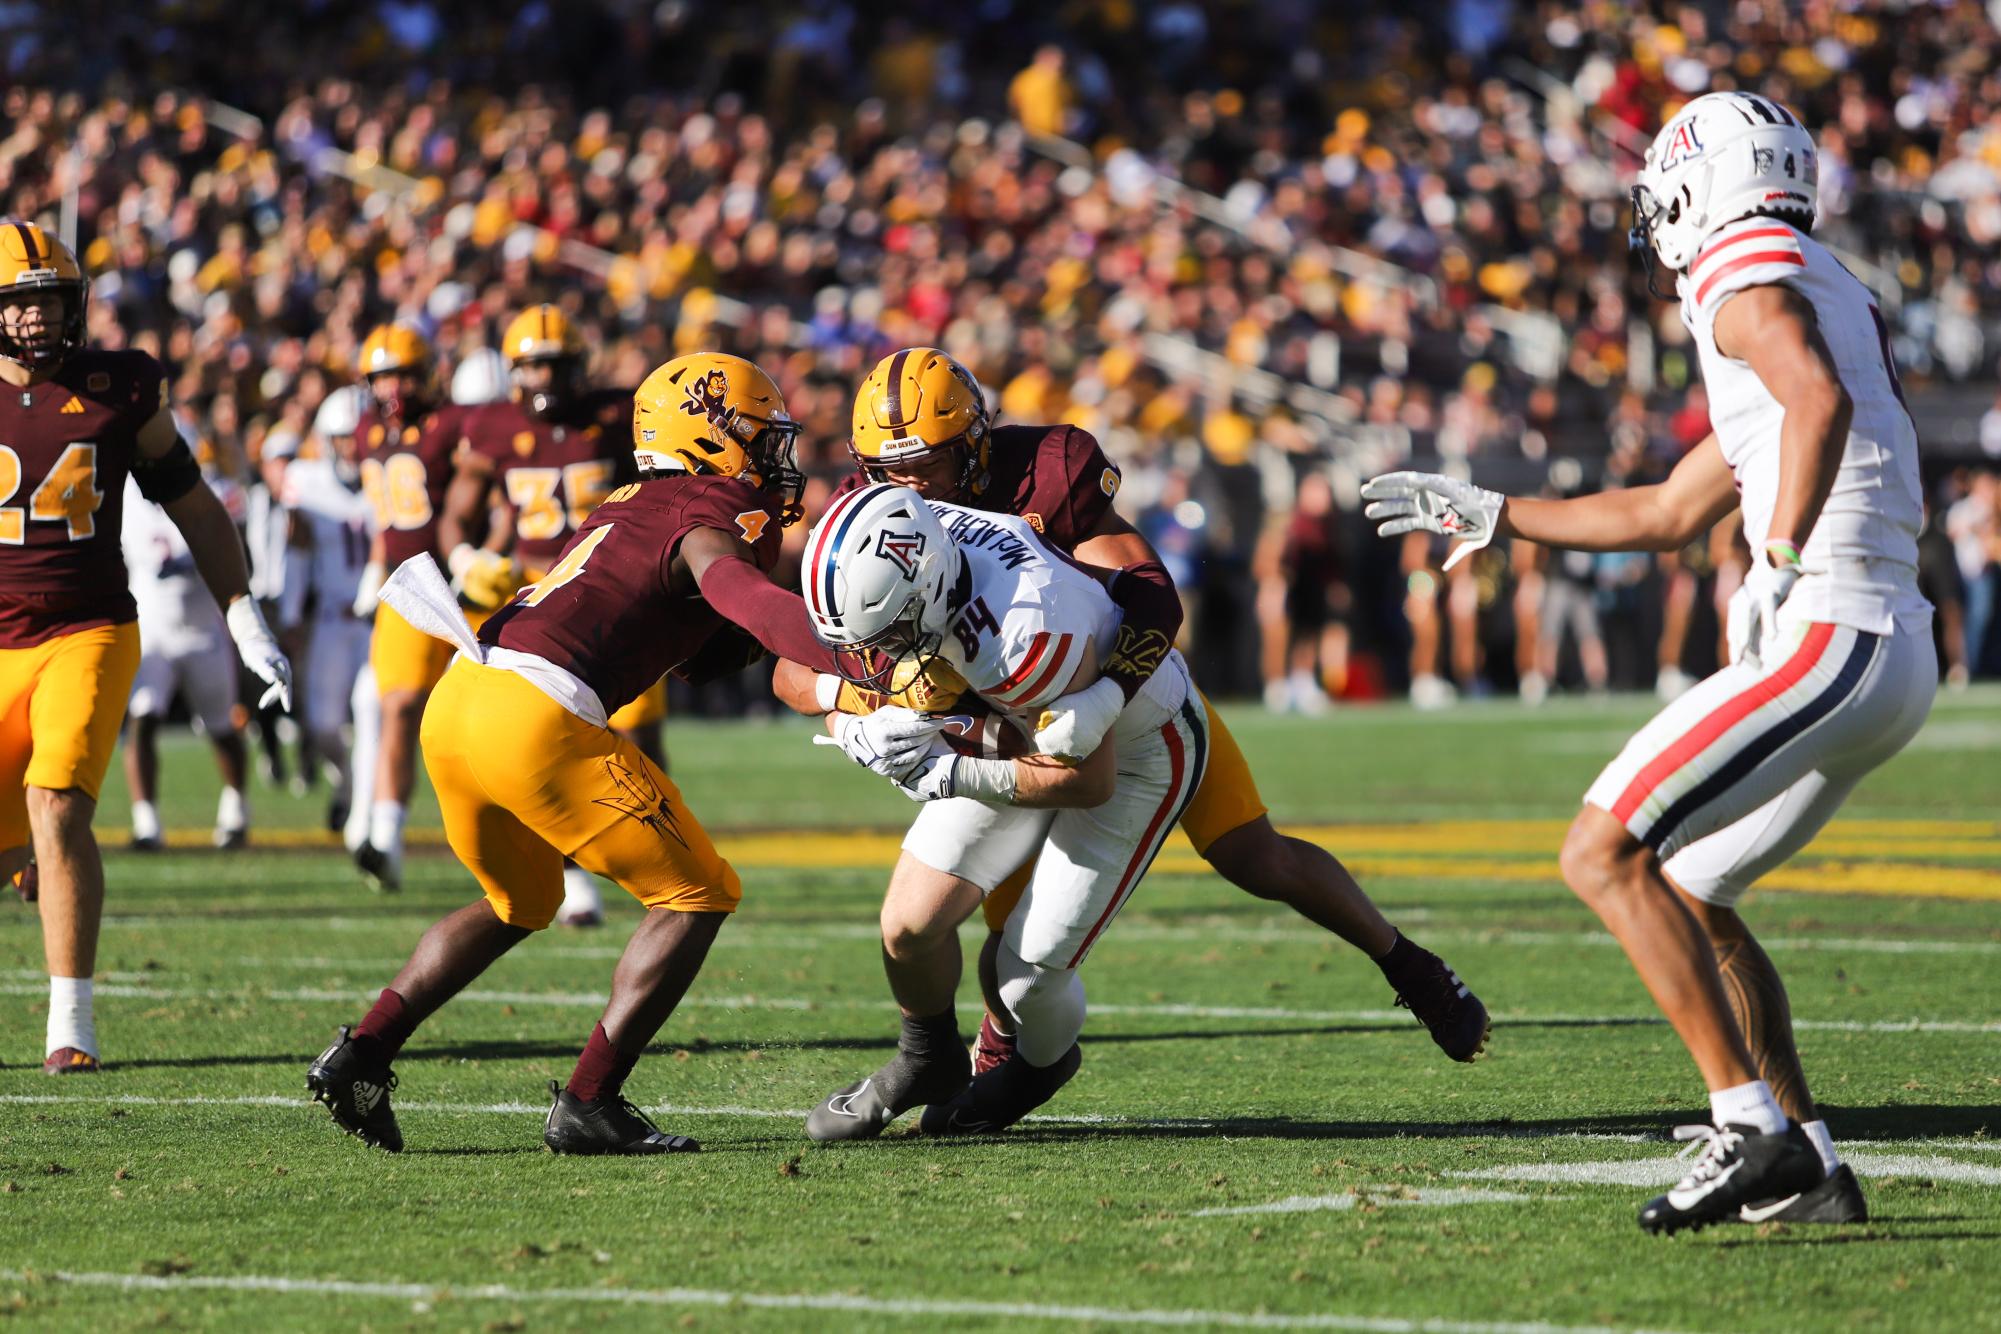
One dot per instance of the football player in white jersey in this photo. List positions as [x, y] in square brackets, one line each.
[330, 517]
[1833, 669]
[898, 585]
[184, 649]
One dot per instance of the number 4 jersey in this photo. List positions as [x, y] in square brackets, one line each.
[66, 448]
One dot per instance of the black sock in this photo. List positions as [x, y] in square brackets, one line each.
[931, 1036]
[1401, 957]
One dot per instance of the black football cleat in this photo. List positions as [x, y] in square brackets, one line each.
[1002, 1096]
[1447, 1007]
[149, 843]
[28, 883]
[355, 1087]
[864, 1110]
[379, 867]
[604, 1126]
[1838, 1199]
[70, 1061]
[1738, 1166]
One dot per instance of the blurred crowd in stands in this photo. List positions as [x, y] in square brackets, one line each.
[1261, 248]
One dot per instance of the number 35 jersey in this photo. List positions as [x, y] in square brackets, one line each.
[1032, 619]
[66, 448]
[1862, 556]
[552, 474]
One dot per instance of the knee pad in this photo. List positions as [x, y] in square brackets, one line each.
[1047, 1005]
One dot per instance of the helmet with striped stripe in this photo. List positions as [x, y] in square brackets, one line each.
[1724, 157]
[881, 584]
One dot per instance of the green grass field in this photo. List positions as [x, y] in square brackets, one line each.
[1256, 1138]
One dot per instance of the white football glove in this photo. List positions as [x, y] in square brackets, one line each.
[260, 651]
[372, 575]
[892, 741]
[1408, 502]
[934, 778]
[1072, 728]
[1766, 588]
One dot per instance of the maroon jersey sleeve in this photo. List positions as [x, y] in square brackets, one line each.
[609, 611]
[406, 469]
[66, 447]
[1072, 485]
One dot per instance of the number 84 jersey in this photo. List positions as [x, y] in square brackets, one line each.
[1032, 619]
[66, 448]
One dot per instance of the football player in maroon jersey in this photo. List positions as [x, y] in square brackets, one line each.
[659, 578]
[409, 444]
[921, 421]
[76, 421]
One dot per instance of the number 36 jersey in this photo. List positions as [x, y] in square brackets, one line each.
[1031, 619]
[66, 448]
[406, 468]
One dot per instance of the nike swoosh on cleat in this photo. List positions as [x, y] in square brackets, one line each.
[1758, 1213]
[842, 1104]
[1681, 1199]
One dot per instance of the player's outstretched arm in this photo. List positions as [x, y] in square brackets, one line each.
[1774, 330]
[731, 582]
[168, 474]
[1662, 517]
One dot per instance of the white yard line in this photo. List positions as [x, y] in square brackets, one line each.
[593, 1000]
[1435, 1197]
[425, 1294]
[1667, 1171]
[1911, 1150]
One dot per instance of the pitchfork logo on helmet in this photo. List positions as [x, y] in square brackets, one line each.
[1726, 157]
[882, 584]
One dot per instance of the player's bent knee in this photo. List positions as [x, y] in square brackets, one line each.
[529, 912]
[1599, 856]
[1253, 857]
[61, 811]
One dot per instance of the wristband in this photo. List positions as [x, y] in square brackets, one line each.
[827, 691]
[991, 781]
[1778, 546]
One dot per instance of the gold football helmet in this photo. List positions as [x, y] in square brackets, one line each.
[717, 415]
[33, 263]
[544, 336]
[917, 403]
[397, 350]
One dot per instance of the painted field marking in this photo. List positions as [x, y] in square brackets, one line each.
[425, 1294]
[596, 1001]
[1666, 1171]
[1432, 1196]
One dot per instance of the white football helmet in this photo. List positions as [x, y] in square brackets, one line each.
[480, 378]
[882, 583]
[336, 424]
[1726, 156]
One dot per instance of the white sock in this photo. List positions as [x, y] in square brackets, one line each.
[71, 1023]
[580, 892]
[1823, 1144]
[145, 820]
[1750, 1105]
[230, 811]
[385, 827]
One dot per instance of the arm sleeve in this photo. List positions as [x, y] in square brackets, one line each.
[739, 591]
[1145, 592]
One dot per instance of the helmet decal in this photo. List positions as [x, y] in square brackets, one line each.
[707, 397]
[902, 549]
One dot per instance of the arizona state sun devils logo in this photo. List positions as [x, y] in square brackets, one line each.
[706, 399]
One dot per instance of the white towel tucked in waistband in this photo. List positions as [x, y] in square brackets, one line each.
[419, 593]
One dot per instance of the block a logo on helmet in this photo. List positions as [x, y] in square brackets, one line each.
[903, 549]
